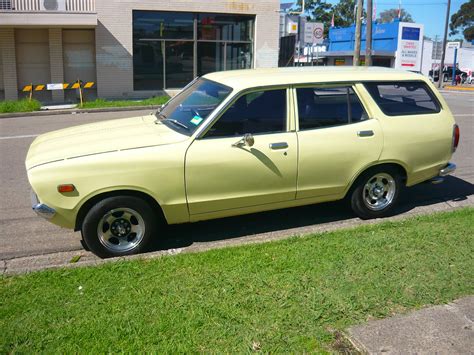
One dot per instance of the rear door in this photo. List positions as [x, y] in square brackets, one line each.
[337, 139]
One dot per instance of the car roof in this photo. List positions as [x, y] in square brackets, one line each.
[249, 78]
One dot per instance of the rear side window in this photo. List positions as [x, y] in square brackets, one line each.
[328, 107]
[403, 98]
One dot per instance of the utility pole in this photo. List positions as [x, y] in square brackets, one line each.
[443, 50]
[356, 59]
[368, 36]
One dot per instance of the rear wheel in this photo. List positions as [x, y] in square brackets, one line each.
[376, 192]
[120, 225]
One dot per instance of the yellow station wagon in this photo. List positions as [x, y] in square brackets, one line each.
[241, 142]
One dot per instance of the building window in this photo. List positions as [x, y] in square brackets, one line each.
[171, 48]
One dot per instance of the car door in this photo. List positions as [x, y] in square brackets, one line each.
[225, 171]
[336, 139]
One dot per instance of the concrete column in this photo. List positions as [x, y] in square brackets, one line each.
[56, 62]
[7, 42]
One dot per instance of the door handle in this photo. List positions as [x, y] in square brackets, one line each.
[279, 145]
[368, 133]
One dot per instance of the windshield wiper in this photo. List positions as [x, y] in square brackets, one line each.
[176, 122]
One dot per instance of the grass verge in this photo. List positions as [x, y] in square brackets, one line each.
[99, 103]
[23, 105]
[291, 295]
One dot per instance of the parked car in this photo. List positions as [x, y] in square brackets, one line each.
[240, 142]
[447, 74]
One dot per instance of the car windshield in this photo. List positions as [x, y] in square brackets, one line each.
[189, 109]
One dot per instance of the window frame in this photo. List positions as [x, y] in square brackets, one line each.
[237, 96]
[428, 90]
[351, 85]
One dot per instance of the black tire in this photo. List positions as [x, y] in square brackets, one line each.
[133, 222]
[366, 207]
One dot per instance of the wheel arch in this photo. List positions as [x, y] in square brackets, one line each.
[87, 205]
[393, 164]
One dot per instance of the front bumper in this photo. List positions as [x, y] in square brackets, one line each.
[41, 209]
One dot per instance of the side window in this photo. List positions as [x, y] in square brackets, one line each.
[256, 112]
[328, 107]
[403, 98]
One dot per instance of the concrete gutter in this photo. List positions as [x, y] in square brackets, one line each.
[78, 110]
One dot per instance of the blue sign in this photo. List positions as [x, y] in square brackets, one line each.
[411, 33]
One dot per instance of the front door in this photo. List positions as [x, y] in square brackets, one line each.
[224, 171]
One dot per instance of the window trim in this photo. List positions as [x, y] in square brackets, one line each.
[428, 90]
[237, 96]
[351, 85]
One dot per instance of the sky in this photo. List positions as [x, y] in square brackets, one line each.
[431, 13]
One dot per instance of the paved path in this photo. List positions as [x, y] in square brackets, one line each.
[445, 329]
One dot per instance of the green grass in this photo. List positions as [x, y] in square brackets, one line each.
[23, 105]
[99, 103]
[282, 296]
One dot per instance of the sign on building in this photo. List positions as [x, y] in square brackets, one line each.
[313, 32]
[292, 27]
[409, 47]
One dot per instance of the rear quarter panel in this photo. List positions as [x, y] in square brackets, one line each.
[420, 143]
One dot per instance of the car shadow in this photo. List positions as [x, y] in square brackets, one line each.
[179, 236]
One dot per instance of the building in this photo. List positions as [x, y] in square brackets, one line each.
[394, 45]
[130, 48]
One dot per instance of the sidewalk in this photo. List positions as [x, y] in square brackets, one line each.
[444, 329]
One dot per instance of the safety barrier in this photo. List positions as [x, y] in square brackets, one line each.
[79, 84]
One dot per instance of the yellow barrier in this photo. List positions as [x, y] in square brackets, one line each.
[64, 86]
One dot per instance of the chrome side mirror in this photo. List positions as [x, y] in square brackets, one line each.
[247, 140]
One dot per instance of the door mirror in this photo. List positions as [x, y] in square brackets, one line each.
[247, 140]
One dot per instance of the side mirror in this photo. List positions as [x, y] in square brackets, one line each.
[247, 140]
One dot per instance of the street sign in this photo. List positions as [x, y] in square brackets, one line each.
[453, 45]
[313, 32]
[54, 86]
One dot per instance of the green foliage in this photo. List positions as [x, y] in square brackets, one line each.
[463, 20]
[391, 14]
[278, 297]
[23, 105]
[98, 103]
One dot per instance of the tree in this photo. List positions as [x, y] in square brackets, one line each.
[391, 14]
[463, 20]
[344, 13]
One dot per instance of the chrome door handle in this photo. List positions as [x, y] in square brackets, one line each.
[279, 145]
[368, 133]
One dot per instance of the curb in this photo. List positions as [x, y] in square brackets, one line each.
[458, 88]
[77, 111]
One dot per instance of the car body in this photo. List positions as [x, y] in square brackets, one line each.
[209, 153]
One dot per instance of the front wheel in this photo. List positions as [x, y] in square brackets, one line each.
[376, 193]
[120, 225]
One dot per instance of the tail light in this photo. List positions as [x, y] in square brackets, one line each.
[456, 135]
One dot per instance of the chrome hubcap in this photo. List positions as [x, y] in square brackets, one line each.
[121, 229]
[379, 191]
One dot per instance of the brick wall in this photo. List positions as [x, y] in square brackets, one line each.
[114, 47]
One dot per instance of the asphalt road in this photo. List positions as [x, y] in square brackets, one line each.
[22, 233]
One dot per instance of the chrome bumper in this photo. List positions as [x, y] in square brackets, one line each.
[41, 209]
[448, 169]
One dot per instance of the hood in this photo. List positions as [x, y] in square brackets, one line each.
[101, 137]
